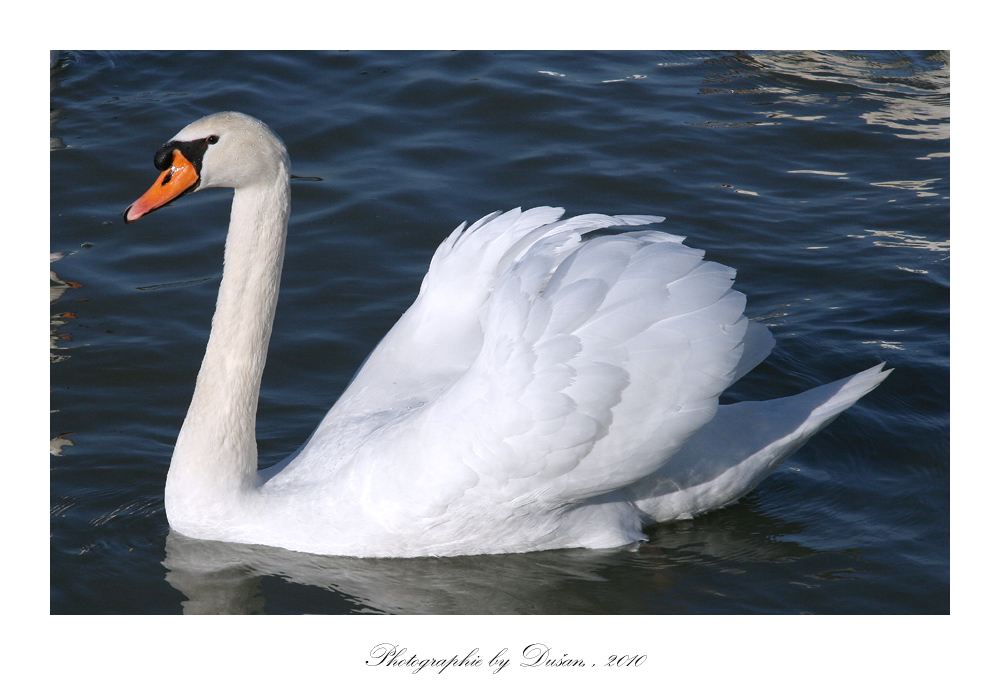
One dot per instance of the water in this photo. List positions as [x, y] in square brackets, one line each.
[822, 178]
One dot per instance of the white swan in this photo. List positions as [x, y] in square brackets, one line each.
[543, 391]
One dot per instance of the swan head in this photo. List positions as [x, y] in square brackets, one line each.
[227, 149]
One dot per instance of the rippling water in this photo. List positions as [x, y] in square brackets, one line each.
[823, 178]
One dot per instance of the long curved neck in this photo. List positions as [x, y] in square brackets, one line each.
[215, 457]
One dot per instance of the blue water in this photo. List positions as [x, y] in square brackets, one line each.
[822, 178]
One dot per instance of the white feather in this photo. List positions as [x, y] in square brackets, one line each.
[547, 388]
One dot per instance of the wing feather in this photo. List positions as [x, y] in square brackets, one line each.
[600, 357]
[539, 367]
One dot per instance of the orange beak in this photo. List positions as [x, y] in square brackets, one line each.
[176, 180]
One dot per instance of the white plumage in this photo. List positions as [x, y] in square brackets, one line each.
[546, 389]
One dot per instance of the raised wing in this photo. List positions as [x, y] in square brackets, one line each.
[440, 335]
[598, 359]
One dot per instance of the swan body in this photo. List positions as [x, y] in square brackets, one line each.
[545, 390]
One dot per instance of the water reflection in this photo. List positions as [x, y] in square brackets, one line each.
[218, 577]
[58, 287]
[912, 95]
[224, 578]
[58, 443]
[900, 239]
[910, 92]
[55, 66]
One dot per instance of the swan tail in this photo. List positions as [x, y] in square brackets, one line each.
[744, 443]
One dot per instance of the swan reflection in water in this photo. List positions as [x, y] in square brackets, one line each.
[228, 578]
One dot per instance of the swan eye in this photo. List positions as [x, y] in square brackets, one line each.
[212, 139]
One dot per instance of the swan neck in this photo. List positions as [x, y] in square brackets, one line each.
[216, 451]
